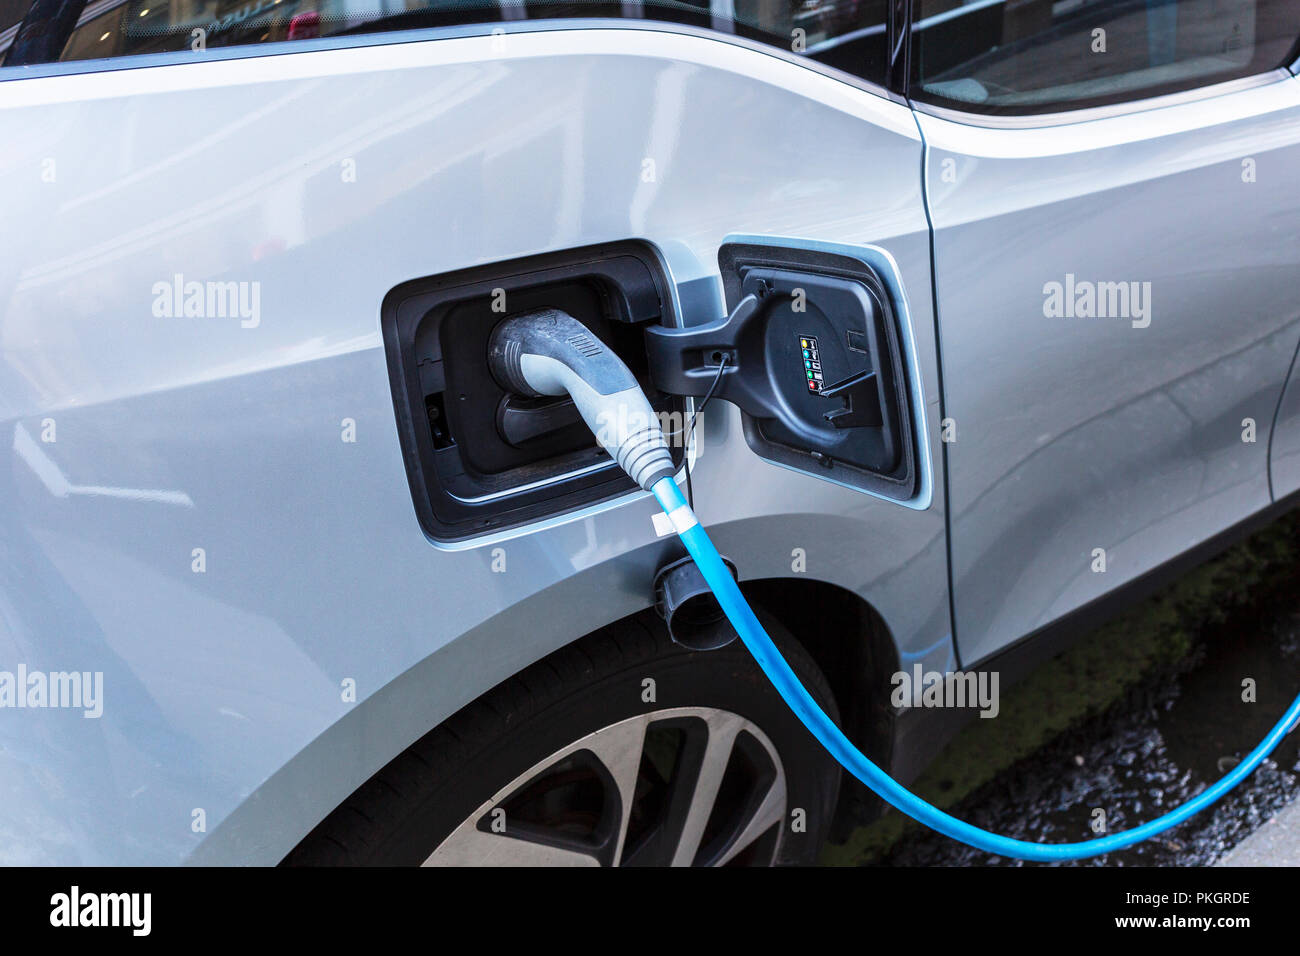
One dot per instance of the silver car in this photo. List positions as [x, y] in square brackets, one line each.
[994, 308]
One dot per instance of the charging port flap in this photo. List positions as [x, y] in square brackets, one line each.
[813, 361]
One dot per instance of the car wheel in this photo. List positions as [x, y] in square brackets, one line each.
[622, 749]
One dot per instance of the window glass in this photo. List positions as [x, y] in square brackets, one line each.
[11, 11]
[1040, 56]
[848, 34]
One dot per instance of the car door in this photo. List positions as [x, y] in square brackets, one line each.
[207, 493]
[1115, 195]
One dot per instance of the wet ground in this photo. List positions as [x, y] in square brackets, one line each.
[1162, 737]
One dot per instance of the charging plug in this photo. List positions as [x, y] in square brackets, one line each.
[549, 352]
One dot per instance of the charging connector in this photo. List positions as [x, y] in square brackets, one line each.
[549, 352]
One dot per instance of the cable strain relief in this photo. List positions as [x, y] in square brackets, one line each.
[654, 476]
[645, 456]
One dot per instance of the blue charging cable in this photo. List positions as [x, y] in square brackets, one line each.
[548, 352]
[738, 611]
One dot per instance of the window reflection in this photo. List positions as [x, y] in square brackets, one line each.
[1025, 56]
[847, 34]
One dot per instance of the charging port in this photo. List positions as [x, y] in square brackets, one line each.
[478, 458]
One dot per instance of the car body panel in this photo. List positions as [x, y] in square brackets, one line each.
[1284, 441]
[1125, 433]
[224, 690]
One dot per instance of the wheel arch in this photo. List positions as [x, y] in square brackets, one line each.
[847, 639]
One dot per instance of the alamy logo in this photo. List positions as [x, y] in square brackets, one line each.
[72, 690]
[613, 427]
[1084, 299]
[208, 300]
[75, 908]
[952, 689]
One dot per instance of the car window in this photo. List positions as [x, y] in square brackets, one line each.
[1040, 56]
[848, 34]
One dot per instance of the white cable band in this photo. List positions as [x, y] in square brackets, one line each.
[683, 518]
